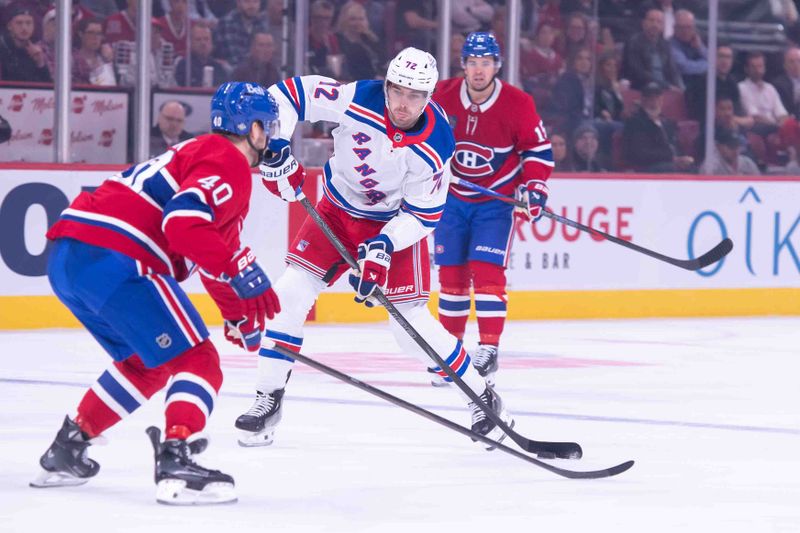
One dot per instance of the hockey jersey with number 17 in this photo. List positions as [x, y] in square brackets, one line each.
[501, 143]
[377, 172]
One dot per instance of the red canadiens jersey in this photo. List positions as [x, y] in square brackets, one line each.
[188, 203]
[500, 143]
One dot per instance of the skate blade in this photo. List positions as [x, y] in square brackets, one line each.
[489, 378]
[175, 492]
[254, 440]
[439, 383]
[47, 480]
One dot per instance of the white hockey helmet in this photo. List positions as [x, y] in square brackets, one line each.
[415, 69]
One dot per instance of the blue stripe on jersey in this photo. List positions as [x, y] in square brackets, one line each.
[424, 222]
[364, 120]
[432, 210]
[188, 201]
[339, 200]
[369, 94]
[546, 155]
[112, 227]
[269, 353]
[484, 305]
[301, 94]
[118, 392]
[190, 387]
[417, 150]
[450, 305]
[157, 188]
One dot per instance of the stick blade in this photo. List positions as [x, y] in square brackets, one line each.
[597, 474]
[715, 254]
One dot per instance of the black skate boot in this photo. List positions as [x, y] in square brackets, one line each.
[485, 362]
[66, 461]
[181, 481]
[482, 424]
[258, 424]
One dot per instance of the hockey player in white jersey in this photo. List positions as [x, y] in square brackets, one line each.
[384, 191]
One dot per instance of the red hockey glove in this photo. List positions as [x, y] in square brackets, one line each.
[258, 301]
[534, 194]
[282, 175]
[374, 259]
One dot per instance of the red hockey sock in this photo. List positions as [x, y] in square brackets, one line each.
[196, 379]
[454, 300]
[490, 300]
[118, 392]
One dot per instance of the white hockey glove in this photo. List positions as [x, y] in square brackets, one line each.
[282, 175]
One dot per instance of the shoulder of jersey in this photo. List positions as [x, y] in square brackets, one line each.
[514, 93]
[445, 87]
[368, 104]
[437, 149]
[216, 150]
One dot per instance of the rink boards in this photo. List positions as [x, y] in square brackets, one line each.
[554, 271]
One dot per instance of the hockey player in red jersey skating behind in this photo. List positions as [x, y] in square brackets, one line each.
[501, 144]
[117, 257]
[384, 190]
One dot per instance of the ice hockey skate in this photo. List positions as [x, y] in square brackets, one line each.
[66, 461]
[258, 424]
[481, 423]
[485, 362]
[181, 481]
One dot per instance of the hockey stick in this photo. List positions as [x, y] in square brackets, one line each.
[564, 450]
[710, 257]
[366, 387]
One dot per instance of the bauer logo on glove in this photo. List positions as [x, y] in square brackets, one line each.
[374, 259]
[281, 173]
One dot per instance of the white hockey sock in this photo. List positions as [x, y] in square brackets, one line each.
[445, 345]
[297, 291]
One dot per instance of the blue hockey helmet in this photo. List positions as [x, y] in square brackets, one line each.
[480, 44]
[236, 105]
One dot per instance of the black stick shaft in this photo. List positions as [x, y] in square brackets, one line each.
[712, 256]
[560, 449]
[366, 387]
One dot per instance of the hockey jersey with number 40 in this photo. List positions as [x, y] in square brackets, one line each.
[501, 142]
[187, 203]
[377, 172]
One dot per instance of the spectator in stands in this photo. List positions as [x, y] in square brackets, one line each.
[550, 13]
[168, 129]
[647, 56]
[670, 17]
[688, 51]
[357, 42]
[728, 159]
[91, 60]
[322, 41]
[201, 48]
[788, 83]
[649, 141]
[274, 12]
[37, 9]
[616, 15]
[416, 24]
[121, 26]
[725, 119]
[471, 15]
[576, 36]
[205, 11]
[48, 42]
[20, 58]
[573, 93]
[559, 143]
[585, 7]
[235, 31]
[174, 25]
[608, 103]
[760, 99]
[259, 66]
[585, 146]
[540, 64]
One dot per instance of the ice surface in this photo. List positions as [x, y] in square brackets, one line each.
[709, 409]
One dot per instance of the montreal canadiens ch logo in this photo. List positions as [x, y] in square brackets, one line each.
[473, 160]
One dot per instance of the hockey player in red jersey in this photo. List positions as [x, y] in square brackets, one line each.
[384, 190]
[117, 256]
[501, 144]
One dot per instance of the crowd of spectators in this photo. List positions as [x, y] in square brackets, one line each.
[620, 84]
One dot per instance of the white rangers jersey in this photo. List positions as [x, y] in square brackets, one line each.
[377, 172]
